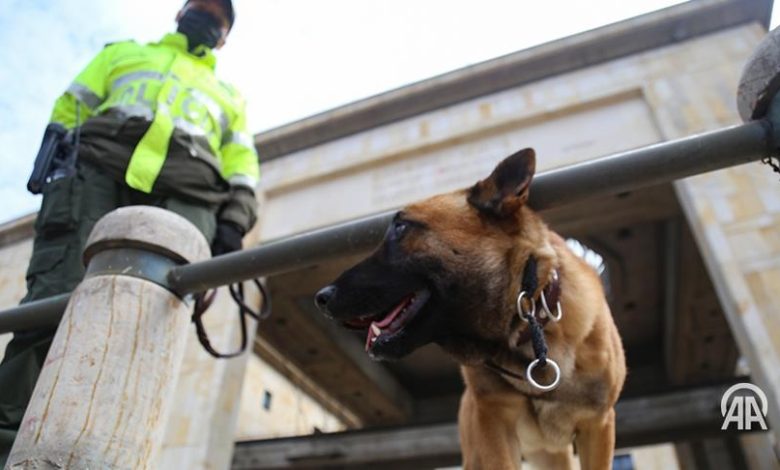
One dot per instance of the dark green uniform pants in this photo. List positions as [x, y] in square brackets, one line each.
[70, 208]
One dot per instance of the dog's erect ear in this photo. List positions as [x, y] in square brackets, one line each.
[506, 189]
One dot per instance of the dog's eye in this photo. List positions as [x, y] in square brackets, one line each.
[399, 228]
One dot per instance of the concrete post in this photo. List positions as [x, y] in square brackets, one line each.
[205, 440]
[105, 391]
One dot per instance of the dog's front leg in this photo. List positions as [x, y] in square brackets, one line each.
[488, 434]
[596, 442]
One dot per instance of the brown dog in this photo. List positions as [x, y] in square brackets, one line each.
[450, 270]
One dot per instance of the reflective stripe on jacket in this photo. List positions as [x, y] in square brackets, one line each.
[126, 78]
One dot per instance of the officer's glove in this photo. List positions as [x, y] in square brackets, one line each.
[227, 239]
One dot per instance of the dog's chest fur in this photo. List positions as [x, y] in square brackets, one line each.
[544, 422]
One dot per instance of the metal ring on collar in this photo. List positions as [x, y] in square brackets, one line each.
[545, 388]
[555, 318]
[520, 310]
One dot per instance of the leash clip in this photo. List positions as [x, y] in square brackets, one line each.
[545, 388]
[527, 312]
[521, 310]
[558, 311]
[545, 308]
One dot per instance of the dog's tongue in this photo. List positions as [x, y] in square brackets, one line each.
[376, 327]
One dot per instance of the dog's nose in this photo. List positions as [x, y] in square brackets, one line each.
[322, 297]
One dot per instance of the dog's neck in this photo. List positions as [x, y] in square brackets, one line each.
[511, 358]
[545, 297]
[511, 350]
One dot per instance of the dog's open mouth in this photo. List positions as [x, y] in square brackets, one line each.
[386, 325]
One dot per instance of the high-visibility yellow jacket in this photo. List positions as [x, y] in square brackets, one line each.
[130, 80]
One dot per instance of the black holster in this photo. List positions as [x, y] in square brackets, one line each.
[56, 158]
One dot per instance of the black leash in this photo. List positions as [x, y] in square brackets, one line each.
[526, 309]
[502, 370]
[204, 300]
[537, 340]
[771, 162]
[529, 285]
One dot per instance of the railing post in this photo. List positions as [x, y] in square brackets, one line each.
[105, 391]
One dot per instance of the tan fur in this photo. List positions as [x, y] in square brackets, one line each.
[499, 420]
[468, 250]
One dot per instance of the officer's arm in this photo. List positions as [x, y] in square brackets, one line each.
[241, 169]
[85, 94]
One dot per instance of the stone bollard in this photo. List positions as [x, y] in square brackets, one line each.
[106, 389]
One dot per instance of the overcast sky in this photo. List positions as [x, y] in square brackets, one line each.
[290, 58]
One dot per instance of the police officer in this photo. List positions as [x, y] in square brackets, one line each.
[156, 127]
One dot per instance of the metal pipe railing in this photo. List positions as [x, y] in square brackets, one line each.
[613, 174]
[624, 171]
[40, 313]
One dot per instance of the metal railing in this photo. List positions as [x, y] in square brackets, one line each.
[614, 174]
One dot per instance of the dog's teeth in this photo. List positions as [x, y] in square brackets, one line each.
[377, 331]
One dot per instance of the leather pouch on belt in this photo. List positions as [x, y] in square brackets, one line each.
[60, 207]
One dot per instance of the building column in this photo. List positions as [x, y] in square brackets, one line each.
[735, 215]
